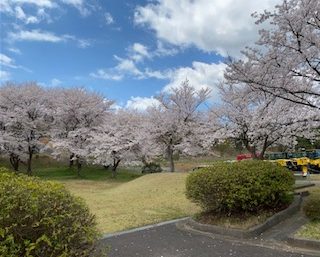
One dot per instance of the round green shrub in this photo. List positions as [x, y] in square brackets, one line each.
[151, 167]
[311, 206]
[240, 187]
[40, 218]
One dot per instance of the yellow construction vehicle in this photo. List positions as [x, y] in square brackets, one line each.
[304, 162]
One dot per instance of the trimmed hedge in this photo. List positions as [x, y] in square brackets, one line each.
[311, 206]
[40, 218]
[240, 187]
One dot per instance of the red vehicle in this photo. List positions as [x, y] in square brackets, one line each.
[244, 156]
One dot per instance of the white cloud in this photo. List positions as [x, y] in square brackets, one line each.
[148, 73]
[5, 6]
[14, 50]
[46, 36]
[200, 75]
[55, 82]
[4, 75]
[6, 61]
[108, 17]
[73, 2]
[84, 43]
[139, 51]
[80, 5]
[21, 9]
[106, 75]
[124, 67]
[127, 66]
[141, 103]
[163, 50]
[116, 106]
[20, 14]
[35, 35]
[42, 14]
[39, 3]
[222, 26]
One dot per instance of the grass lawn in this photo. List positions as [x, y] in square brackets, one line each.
[129, 201]
[122, 205]
[312, 229]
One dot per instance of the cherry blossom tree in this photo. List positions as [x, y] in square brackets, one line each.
[77, 113]
[261, 121]
[24, 120]
[114, 140]
[286, 60]
[173, 125]
[122, 138]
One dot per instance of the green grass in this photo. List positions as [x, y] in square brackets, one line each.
[311, 230]
[146, 200]
[128, 201]
[92, 173]
[48, 168]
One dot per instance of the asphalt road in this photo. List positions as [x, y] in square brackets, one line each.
[168, 241]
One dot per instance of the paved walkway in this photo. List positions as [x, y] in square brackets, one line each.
[169, 241]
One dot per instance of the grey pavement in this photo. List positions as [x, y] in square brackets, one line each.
[281, 231]
[169, 241]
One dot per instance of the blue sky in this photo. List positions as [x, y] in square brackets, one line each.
[126, 50]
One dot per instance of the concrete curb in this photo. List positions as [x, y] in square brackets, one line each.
[296, 187]
[252, 232]
[142, 228]
[303, 243]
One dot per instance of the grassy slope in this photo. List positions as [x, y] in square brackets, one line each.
[125, 202]
[146, 200]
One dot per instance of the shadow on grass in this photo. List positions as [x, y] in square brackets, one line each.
[48, 168]
[94, 173]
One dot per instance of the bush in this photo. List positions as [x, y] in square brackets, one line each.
[151, 167]
[312, 206]
[39, 218]
[240, 187]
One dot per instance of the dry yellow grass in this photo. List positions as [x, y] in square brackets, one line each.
[145, 200]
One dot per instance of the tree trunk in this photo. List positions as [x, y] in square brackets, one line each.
[144, 160]
[29, 162]
[79, 165]
[114, 167]
[264, 148]
[71, 160]
[15, 161]
[252, 150]
[170, 158]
